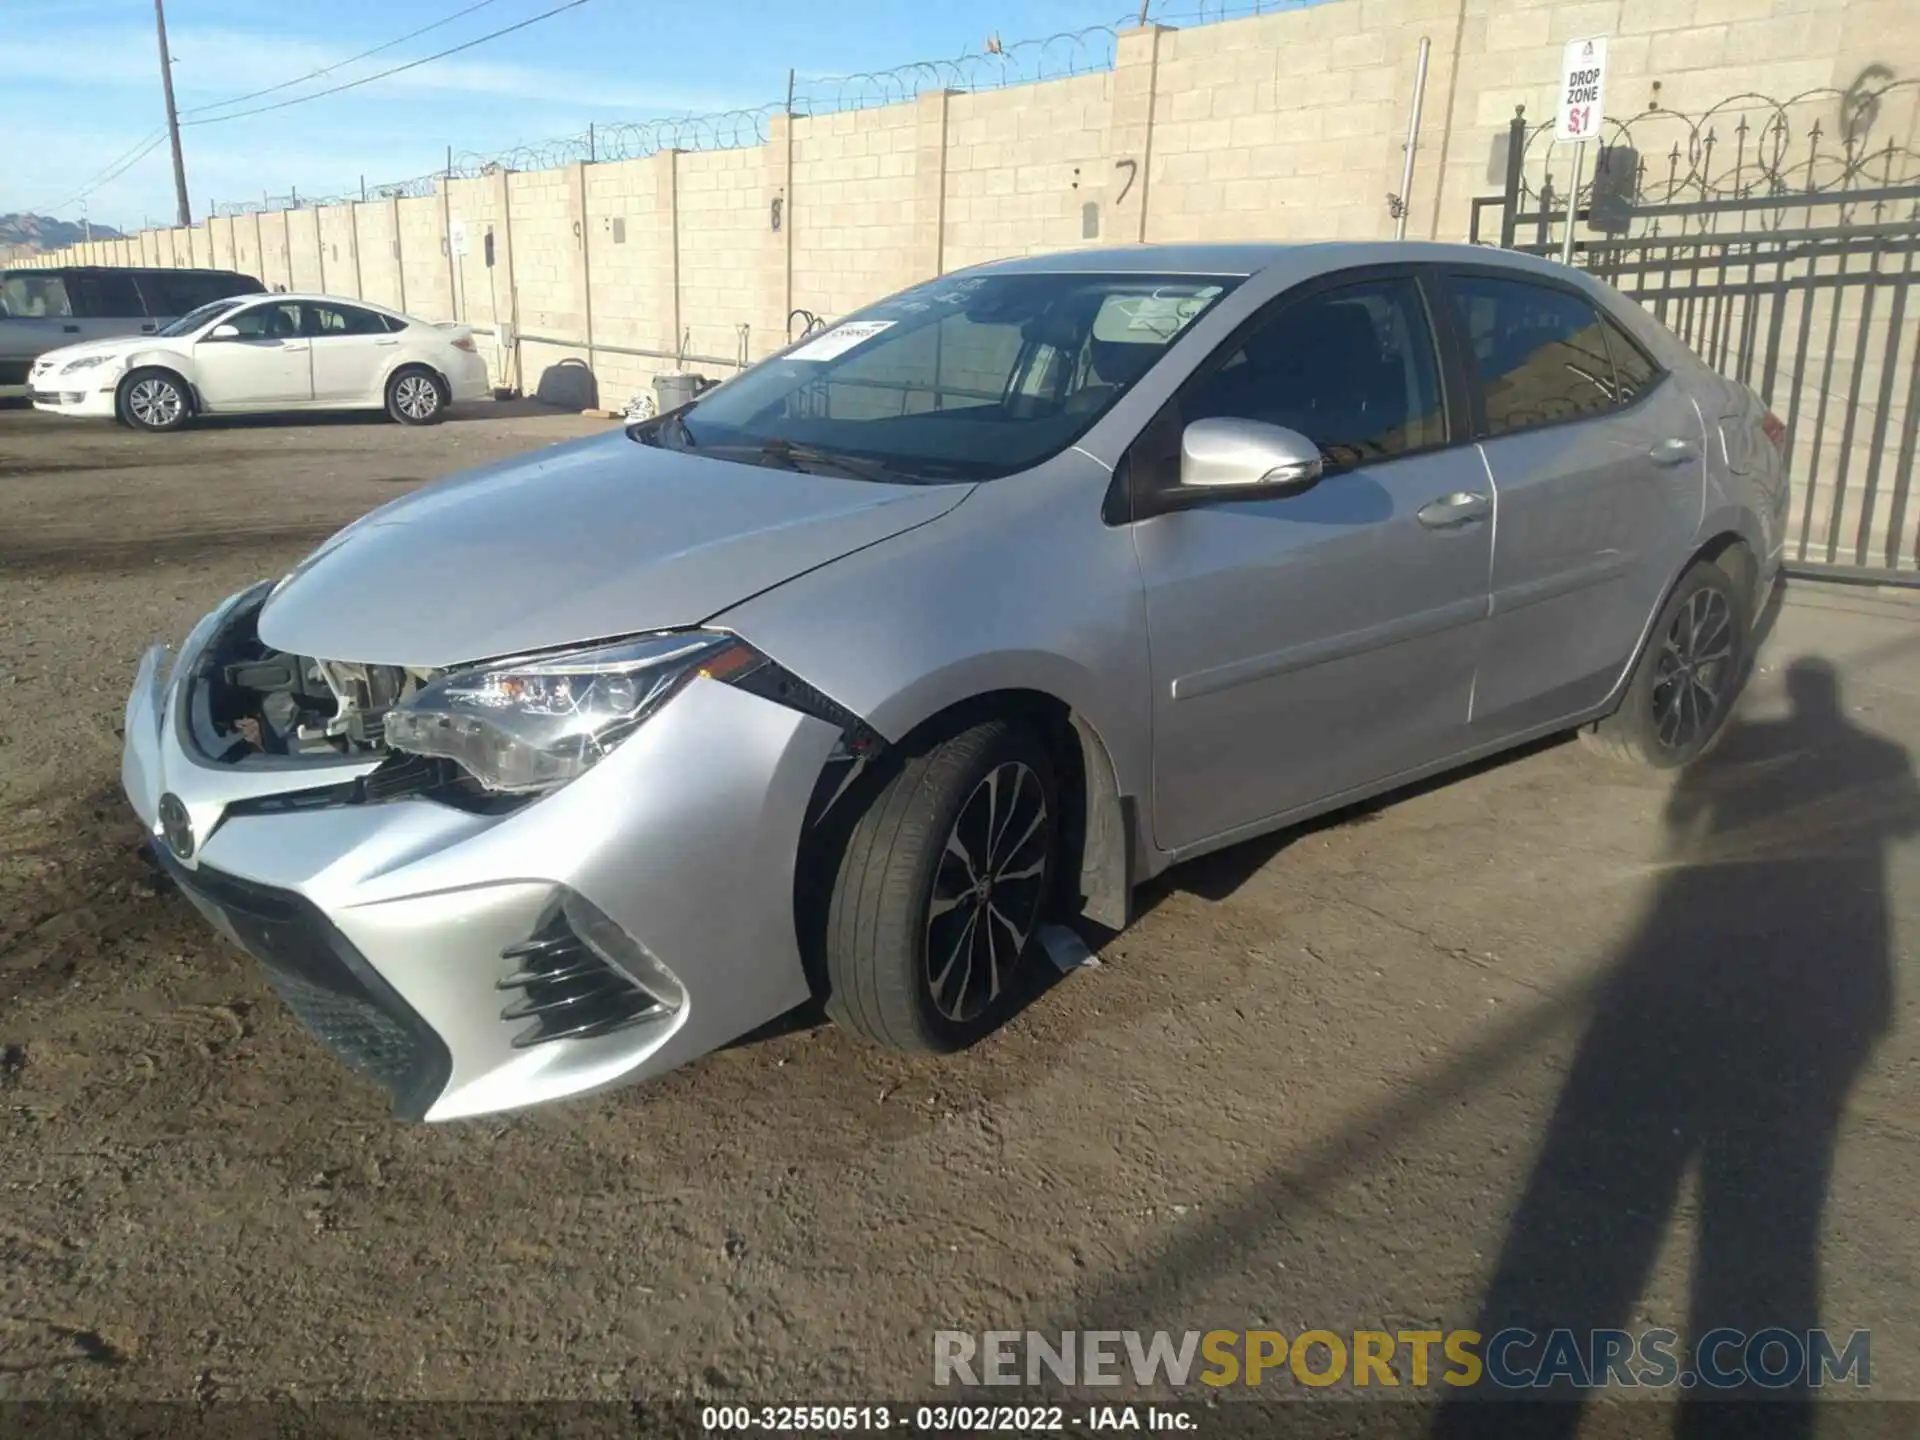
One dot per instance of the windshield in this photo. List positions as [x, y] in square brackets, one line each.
[194, 319]
[966, 378]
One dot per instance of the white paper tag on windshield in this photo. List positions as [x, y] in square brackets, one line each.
[839, 340]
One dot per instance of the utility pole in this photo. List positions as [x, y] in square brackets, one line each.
[173, 118]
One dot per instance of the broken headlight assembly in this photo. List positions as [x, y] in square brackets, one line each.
[531, 724]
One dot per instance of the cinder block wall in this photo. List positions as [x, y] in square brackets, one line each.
[1280, 126]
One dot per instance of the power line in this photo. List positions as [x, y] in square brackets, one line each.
[395, 70]
[337, 65]
[142, 148]
[113, 171]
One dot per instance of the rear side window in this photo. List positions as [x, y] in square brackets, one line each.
[323, 320]
[229, 284]
[1540, 353]
[1633, 372]
[177, 293]
[111, 295]
[1352, 369]
[25, 295]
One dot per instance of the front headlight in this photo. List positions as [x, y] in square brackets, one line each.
[535, 723]
[85, 362]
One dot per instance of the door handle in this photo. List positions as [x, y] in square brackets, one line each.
[147, 329]
[1449, 512]
[295, 349]
[70, 329]
[1674, 450]
[386, 342]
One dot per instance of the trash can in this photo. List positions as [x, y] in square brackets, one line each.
[676, 388]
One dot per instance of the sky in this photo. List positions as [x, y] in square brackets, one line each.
[82, 86]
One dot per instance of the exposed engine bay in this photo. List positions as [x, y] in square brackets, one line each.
[250, 699]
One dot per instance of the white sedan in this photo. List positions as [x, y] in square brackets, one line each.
[266, 352]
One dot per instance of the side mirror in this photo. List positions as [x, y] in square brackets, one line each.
[224, 332]
[1244, 460]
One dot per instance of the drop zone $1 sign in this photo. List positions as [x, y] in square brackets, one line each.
[1583, 80]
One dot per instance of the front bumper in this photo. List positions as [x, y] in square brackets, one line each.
[393, 921]
[85, 393]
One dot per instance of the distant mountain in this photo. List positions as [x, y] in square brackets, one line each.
[43, 232]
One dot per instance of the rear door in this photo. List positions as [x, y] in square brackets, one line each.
[1597, 466]
[1303, 646]
[268, 363]
[350, 345]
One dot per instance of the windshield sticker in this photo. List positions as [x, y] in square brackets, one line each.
[842, 338]
[1160, 315]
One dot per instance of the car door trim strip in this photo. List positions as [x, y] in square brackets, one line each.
[1465, 611]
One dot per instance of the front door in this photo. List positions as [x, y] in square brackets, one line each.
[1305, 646]
[108, 304]
[1596, 458]
[268, 363]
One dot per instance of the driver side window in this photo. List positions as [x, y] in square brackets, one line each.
[1353, 369]
[267, 322]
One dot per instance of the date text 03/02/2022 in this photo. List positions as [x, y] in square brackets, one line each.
[945, 1419]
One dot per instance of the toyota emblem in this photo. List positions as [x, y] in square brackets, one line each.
[176, 826]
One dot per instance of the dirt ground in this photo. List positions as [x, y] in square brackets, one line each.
[1554, 1039]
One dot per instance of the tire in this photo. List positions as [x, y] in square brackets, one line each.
[907, 965]
[416, 396]
[154, 399]
[1705, 615]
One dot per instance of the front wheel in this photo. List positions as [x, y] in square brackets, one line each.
[153, 400]
[415, 396]
[941, 891]
[1690, 674]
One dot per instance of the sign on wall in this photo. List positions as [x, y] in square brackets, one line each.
[457, 237]
[1583, 80]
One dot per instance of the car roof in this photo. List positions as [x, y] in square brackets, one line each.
[319, 299]
[1253, 258]
[150, 270]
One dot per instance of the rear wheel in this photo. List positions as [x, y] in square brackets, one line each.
[941, 891]
[153, 399]
[1684, 687]
[416, 396]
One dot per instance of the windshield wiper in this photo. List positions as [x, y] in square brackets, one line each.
[808, 457]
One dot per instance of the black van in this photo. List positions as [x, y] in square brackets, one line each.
[41, 310]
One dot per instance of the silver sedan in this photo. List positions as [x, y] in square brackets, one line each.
[954, 621]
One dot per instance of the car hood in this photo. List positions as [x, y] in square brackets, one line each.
[119, 345]
[585, 541]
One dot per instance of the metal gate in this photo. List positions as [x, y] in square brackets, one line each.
[1778, 239]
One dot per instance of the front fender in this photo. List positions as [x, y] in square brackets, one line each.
[1021, 587]
[181, 365]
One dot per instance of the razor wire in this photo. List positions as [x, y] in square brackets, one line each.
[997, 66]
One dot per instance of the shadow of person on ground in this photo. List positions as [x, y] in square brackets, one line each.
[1724, 1043]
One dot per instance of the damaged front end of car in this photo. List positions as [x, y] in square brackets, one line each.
[246, 704]
[488, 736]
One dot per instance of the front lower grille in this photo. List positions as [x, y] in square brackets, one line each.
[326, 982]
[568, 991]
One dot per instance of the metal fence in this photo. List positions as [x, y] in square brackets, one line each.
[1778, 239]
